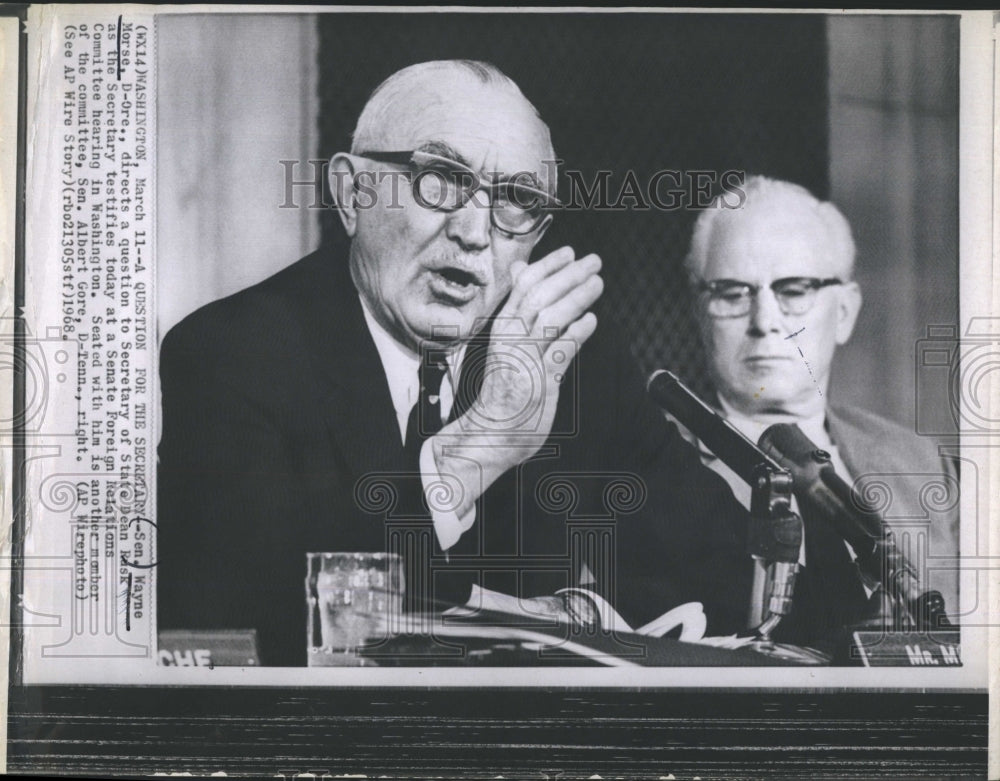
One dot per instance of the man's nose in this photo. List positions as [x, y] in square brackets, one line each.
[765, 314]
[470, 225]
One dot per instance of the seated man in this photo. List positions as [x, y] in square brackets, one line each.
[776, 296]
[428, 394]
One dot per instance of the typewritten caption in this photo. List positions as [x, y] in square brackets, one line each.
[106, 287]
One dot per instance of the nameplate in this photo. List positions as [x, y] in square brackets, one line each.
[208, 648]
[908, 649]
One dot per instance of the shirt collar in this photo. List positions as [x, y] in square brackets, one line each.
[401, 365]
[752, 427]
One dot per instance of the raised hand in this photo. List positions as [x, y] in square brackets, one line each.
[534, 338]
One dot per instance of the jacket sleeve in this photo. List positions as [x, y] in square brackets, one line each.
[225, 484]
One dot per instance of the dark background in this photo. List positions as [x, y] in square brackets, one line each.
[631, 92]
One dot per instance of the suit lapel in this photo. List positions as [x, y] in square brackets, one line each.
[352, 391]
[838, 434]
[862, 452]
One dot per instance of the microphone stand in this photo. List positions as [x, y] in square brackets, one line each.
[773, 533]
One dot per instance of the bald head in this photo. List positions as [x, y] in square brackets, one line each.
[401, 112]
[771, 207]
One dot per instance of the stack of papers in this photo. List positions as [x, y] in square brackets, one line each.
[591, 608]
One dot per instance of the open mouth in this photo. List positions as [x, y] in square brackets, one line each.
[454, 284]
[457, 277]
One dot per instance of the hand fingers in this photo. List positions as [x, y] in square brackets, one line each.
[541, 284]
[561, 353]
[559, 285]
[525, 276]
[554, 318]
[535, 292]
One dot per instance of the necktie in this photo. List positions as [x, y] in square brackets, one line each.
[425, 417]
[422, 585]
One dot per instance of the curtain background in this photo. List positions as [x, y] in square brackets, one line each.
[894, 174]
[236, 95]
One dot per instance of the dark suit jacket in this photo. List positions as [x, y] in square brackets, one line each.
[279, 438]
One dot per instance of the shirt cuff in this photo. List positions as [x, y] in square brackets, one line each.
[439, 493]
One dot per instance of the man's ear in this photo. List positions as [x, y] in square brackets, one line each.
[341, 175]
[848, 307]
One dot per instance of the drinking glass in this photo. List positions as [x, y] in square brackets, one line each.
[352, 598]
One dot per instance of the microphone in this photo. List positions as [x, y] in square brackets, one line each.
[819, 487]
[737, 451]
[775, 532]
[820, 490]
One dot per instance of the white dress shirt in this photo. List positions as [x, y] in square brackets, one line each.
[402, 366]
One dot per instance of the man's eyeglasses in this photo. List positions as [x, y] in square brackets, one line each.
[732, 298]
[517, 205]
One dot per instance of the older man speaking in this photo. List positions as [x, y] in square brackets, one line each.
[433, 376]
[776, 297]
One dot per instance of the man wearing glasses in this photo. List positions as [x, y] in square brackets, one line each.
[432, 378]
[775, 298]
